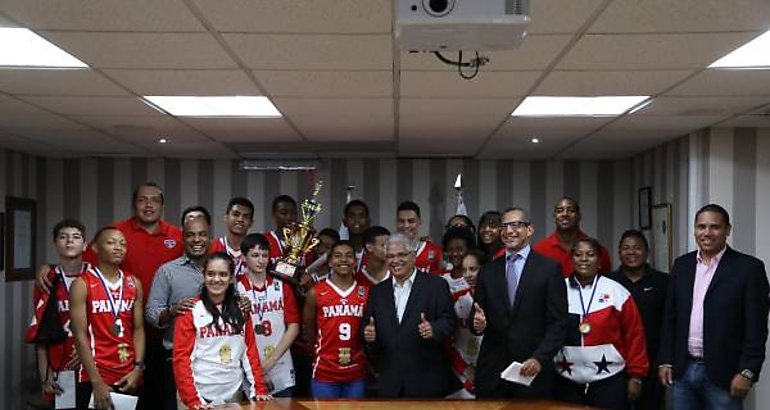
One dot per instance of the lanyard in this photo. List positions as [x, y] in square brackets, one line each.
[114, 307]
[593, 292]
[258, 300]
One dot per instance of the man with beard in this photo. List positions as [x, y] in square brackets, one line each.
[174, 289]
[558, 245]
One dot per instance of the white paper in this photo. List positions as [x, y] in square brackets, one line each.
[66, 380]
[513, 374]
[119, 401]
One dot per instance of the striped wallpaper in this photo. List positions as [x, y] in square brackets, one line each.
[723, 164]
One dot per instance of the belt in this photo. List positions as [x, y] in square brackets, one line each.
[696, 359]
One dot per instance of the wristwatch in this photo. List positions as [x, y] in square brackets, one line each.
[139, 364]
[747, 373]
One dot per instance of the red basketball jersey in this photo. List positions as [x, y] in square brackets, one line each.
[430, 258]
[113, 353]
[339, 352]
[221, 245]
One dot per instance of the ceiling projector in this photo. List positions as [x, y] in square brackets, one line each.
[461, 25]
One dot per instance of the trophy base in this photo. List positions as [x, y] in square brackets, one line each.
[287, 272]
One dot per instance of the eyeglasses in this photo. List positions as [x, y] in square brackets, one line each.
[514, 224]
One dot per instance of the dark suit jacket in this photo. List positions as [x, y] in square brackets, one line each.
[734, 317]
[408, 365]
[535, 326]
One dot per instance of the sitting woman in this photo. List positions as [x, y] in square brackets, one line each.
[604, 358]
[214, 347]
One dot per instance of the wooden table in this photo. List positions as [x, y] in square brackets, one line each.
[373, 404]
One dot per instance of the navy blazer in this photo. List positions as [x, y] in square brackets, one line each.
[535, 326]
[735, 313]
[408, 365]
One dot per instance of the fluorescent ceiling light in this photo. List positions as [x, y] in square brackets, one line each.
[20, 47]
[278, 165]
[754, 54]
[240, 106]
[576, 106]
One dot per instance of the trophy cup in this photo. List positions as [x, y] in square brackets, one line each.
[299, 239]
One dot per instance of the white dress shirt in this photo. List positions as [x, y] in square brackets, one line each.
[401, 294]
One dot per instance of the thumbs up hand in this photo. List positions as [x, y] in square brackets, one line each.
[370, 333]
[479, 319]
[425, 328]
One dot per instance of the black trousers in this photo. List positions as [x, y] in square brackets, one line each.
[610, 393]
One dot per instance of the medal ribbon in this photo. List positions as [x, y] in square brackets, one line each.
[593, 292]
[237, 259]
[115, 310]
[260, 312]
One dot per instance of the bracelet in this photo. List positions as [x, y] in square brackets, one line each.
[636, 380]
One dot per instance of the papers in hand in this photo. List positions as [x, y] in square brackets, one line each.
[119, 401]
[513, 374]
[66, 381]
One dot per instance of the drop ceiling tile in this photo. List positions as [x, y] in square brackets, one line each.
[245, 129]
[738, 83]
[326, 84]
[57, 82]
[535, 53]
[313, 52]
[595, 83]
[755, 121]
[143, 50]
[449, 84]
[341, 120]
[560, 16]
[212, 150]
[443, 136]
[663, 123]
[702, 106]
[11, 107]
[519, 130]
[682, 16]
[185, 82]
[651, 51]
[36, 122]
[103, 15]
[430, 107]
[87, 141]
[299, 16]
[616, 145]
[21, 144]
[92, 105]
[143, 129]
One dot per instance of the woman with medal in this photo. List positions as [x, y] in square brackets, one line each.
[274, 312]
[215, 354]
[108, 325]
[463, 348]
[333, 312]
[604, 358]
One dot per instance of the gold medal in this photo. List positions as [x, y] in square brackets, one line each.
[269, 351]
[344, 355]
[584, 328]
[225, 354]
[123, 354]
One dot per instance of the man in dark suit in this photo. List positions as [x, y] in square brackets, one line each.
[715, 321]
[408, 319]
[521, 309]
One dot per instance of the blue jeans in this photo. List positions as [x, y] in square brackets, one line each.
[695, 391]
[349, 390]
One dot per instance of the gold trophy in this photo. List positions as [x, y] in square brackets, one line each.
[299, 238]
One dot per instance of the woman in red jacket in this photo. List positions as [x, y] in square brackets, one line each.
[604, 358]
[214, 345]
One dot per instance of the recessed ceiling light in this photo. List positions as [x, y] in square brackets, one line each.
[534, 140]
[20, 47]
[163, 141]
[239, 106]
[576, 106]
[752, 55]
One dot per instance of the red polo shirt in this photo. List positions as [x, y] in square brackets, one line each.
[551, 248]
[146, 251]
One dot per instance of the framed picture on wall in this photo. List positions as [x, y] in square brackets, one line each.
[21, 218]
[661, 237]
[645, 202]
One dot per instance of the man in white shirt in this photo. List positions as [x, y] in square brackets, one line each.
[409, 316]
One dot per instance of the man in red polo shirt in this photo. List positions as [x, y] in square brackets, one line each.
[558, 245]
